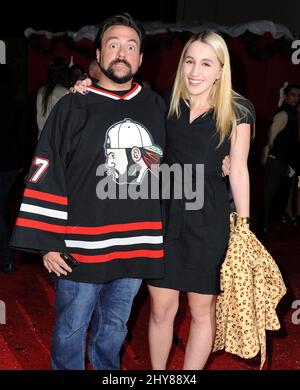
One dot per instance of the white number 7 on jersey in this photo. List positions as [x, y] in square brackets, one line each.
[42, 164]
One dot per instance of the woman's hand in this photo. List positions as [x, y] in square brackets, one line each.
[81, 86]
[226, 166]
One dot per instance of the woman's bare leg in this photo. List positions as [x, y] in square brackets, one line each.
[164, 306]
[202, 330]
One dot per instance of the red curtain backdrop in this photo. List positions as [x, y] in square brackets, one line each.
[260, 66]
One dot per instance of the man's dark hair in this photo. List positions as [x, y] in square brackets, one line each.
[289, 87]
[123, 19]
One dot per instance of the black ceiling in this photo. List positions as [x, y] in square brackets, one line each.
[62, 16]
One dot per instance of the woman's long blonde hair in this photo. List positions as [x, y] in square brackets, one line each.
[223, 99]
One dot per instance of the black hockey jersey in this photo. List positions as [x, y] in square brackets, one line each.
[90, 144]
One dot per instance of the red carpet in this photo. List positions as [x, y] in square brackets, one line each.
[29, 298]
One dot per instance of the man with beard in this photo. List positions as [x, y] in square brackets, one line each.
[114, 243]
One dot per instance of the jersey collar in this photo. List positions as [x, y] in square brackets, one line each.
[136, 88]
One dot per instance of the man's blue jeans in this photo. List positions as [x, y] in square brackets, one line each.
[104, 306]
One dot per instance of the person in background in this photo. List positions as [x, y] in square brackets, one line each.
[293, 205]
[56, 87]
[280, 154]
[94, 71]
[15, 141]
[76, 72]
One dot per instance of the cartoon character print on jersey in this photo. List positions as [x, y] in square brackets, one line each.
[130, 152]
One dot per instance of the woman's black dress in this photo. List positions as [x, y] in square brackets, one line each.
[196, 240]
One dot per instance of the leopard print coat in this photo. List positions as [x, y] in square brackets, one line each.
[251, 286]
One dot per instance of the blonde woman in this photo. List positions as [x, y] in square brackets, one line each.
[207, 120]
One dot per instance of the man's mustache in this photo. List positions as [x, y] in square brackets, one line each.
[118, 61]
